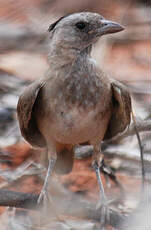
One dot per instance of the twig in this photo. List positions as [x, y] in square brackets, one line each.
[82, 209]
[141, 150]
[14, 176]
[18, 200]
[142, 126]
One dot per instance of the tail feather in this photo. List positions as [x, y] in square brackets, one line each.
[64, 163]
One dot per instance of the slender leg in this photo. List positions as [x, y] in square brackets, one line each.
[110, 174]
[101, 188]
[43, 194]
[96, 163]
[52, 160]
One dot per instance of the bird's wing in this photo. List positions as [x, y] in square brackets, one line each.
[26, 117]
[121, 111]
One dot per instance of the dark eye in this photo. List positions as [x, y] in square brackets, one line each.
[80, 25]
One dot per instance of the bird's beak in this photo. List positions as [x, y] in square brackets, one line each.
[108, 27]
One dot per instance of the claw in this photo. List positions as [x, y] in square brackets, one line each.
[105, 215]
[104, 211]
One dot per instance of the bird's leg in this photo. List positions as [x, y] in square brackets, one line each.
[52, 157]
[109, 173]
[96, 164]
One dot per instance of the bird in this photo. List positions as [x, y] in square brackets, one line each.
[75, 102]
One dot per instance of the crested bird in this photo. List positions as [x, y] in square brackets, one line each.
[75, 102]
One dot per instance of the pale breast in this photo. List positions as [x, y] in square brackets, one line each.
[77, 126]
[76, 107]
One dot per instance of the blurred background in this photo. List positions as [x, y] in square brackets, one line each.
[126, 56]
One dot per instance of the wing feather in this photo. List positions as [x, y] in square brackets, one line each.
[121, 111]
[25, 112]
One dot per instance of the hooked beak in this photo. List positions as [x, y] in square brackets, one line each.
[109, 27]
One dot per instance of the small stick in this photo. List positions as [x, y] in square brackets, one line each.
[82, 209]
[141, 150]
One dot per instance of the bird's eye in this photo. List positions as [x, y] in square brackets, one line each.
[80, 25]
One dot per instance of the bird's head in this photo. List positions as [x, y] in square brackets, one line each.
[79, 30]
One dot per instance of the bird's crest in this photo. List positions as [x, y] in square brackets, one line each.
[53, 25]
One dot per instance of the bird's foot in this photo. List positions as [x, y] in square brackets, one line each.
[46, 200]
[43, 196]
[104, 215]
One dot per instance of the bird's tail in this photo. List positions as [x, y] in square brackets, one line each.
[64, 163]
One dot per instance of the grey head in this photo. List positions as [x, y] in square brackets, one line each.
[80, 30]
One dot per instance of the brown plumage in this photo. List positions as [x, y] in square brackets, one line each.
[75, 102]
[119, 120]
